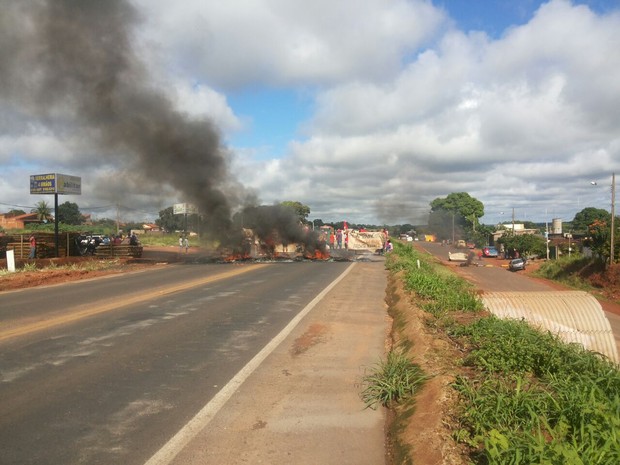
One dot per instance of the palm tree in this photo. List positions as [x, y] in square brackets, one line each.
[42, 210]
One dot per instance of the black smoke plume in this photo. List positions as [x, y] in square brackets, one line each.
[70, 65]
[276, 225]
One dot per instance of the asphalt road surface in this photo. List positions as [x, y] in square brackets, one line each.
[105, 371]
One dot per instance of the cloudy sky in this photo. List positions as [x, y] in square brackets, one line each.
[364, 110]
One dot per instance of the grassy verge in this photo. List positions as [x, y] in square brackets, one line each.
[525, 397]
[86, 265]
[571, 271]
[172, 240]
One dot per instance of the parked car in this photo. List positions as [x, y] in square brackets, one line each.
[490, 252]
[517, 264]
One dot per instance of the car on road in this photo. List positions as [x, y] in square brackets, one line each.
[517, 264]
[490, 252]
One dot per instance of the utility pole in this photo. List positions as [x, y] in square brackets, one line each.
[56, 225]
[118, 220]
[547, 233]
[613, 214]
[452, 227]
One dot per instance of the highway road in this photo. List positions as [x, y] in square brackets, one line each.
[105, 371]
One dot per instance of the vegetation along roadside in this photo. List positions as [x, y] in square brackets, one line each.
[507, 393]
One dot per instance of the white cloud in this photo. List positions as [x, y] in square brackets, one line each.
[541, 102]
[287, 42]
[406, 108]
[203, 102]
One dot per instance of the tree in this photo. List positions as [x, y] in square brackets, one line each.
[300, 209]
[460, 203]
[43, 210]
[105, 226]
[526, 244]
[168, 221]
[15, 212]
[589, 216]
[69, 213]
[481, 235]
[600, 239]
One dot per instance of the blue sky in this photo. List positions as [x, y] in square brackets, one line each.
[364, 111]
[274, 115]
[271, 119]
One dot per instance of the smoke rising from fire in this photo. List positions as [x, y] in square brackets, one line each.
[69, 65]
[279, 224]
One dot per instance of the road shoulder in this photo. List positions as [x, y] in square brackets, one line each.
[302, 404]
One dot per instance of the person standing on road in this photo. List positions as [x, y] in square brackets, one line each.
[389, 246]
[33, 246]
[180, 244]
[186, 244]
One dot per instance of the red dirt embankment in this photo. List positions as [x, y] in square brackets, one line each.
[47, 274]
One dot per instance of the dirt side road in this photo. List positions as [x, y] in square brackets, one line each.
[491, 275]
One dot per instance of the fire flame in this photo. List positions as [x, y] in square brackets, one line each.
[317, 255]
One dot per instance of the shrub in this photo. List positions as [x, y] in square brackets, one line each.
[393, 380]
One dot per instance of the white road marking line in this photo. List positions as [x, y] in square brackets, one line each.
[182, 438]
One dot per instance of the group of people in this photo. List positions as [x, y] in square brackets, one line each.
[340, 237]
[89, 243]
[336, 239]
[183, 244]
[118, 240]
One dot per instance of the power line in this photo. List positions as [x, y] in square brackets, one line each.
[19, 206]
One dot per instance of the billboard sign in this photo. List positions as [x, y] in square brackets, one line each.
[43, 184]
[184, 208]
[54, 183]
[69, 185]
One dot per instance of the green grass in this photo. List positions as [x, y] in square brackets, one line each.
[172, 240]
[159, 240]
[440, 291]
[570, 270]
[393, 380]
[87, 265]
[525, 397]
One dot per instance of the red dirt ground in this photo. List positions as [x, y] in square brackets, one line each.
[152, 256]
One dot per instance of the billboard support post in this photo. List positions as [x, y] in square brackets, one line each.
[56, 225]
